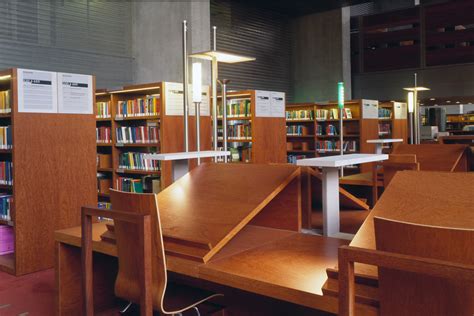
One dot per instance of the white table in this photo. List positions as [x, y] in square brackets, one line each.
[180, 161]
[330, 166]
[379, 143]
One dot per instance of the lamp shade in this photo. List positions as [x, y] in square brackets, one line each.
[411, 102]
[340, 94]
[197, 82]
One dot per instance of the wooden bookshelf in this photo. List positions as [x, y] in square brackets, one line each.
[266, 142]
[102, 95]
[316, 132]
[171, 134]
[397, 121]
[54, 164]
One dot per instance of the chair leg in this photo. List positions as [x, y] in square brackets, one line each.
[126, 308]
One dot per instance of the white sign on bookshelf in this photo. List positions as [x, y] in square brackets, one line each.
[37, 91]
[174, 100]
[269, 104]
[74, 93]
[277, 104]
[370, 109]
[400, 110]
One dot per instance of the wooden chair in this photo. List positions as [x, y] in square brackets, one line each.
[142, 276]
[423, 270]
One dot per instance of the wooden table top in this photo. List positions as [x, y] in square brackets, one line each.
[277, 263]
[443, 199]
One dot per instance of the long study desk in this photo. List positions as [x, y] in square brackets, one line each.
[280, 264]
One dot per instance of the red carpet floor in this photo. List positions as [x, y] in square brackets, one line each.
[31, 295]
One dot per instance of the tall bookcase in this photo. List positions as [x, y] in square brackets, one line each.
[104, 122]
[393, 122]
[170, 136]
[53, 158]
[313, 130]
[251, 138]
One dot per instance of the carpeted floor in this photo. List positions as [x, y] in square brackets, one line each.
[31, 294]
[350, 220]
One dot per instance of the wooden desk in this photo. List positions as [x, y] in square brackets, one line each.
[442, 199]
[280, 264]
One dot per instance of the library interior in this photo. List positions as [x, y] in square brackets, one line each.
[237, 157]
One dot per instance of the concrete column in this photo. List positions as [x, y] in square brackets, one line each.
[157, 38]
[321, 55]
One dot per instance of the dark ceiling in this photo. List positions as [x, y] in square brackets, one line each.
[301, 7]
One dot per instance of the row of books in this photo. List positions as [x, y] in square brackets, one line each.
[129, 185]
[5, 137]
[5, 207]
[5, 103]
[332, 114]
[329, 130]
[292, 158]
[137, 161]
[330, 145]
[236, 108]
[148, 106]
[239, 132]
[385, 113]
[296, 130]
[299, 115]
[104, 205]
[102, 135]
[6, 172]
[103, 110]
[241, 153]
[138, 134]
[384, 128]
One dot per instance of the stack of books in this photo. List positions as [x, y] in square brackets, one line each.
[297, 115]
[103, 110]
[137, 135]
[129, 185]
[5, 103]
[385, 113]
[137, 161]
[292, 158]
[384, 129]
[6, 172]
[102, 134]
[237, 108]
[149, 106]
[239, 132]
[329, 146]
[5, 207]
[5, 137]
[296, 130]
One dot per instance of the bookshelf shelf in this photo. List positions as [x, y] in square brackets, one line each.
[7, 263]
[102, 119]
[299, 121]
[105, 169]
[4, 222]
[104, 144]
[103, 195]
[300, 136]
[5, 115]
[247, 118]
[136, 118]
[5, 151]
[144, 172]
[119, 145]
[6, 186]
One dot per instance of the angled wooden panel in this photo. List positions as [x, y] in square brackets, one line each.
[436, 157]
[213, 202]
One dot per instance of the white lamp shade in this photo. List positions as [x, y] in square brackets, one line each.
[197, 82]
[411, 102]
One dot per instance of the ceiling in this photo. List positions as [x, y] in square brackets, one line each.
[301, 7]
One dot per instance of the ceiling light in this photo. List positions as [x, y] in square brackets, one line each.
[5, 77]
[432, 99]
[448, 101]
[416, 89]
[222, 57]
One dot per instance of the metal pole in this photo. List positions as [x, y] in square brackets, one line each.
[341, 136]
[416, 113]
[410, 118]
[185, 86]
[224, 114]
[214, 38]
[214, 71]
[197, 107]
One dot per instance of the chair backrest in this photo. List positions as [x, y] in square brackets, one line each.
[127, 284]
[436, 157]
[398, 163]
[407, 293]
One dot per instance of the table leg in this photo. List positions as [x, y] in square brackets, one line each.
[330, 201]
[180, 168]
[378, 148]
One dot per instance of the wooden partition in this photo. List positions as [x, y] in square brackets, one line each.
[54, 175]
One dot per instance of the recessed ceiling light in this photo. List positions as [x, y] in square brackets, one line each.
[457, 102]
[432, 99]
[448, 101]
